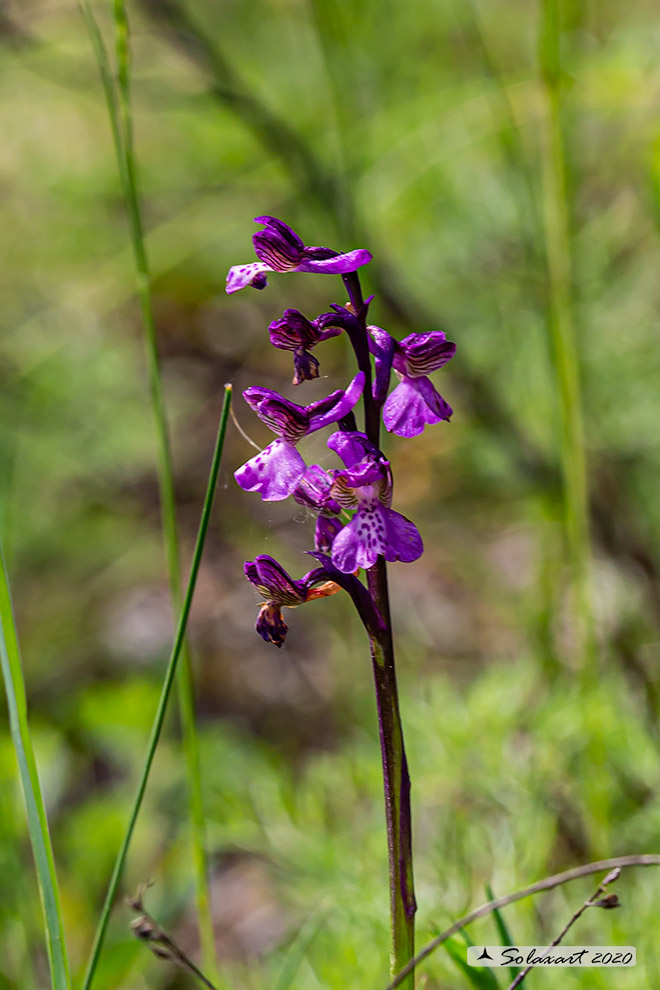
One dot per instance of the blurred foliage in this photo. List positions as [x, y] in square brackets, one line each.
[413, 130]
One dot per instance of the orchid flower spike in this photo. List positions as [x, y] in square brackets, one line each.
[414, 403]
[366, 485]
[279, 249]
[275, 471]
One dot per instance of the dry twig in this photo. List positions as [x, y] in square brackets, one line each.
[161, 944]
[595, 900]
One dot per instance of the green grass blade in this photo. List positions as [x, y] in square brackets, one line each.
[506, 938]
[298, 950]
[12, 673]
[166, 487]
[482, 979]
[562, 332]
[164, 696]
[118, 101]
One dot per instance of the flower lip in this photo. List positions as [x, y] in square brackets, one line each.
[414, 404]
[271, 626]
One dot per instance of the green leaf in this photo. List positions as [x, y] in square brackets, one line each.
[298, 950]
[506, 938]
[12, 672]
[483, 979]
[168, 681]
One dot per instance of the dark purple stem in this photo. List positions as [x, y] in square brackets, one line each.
[360, 342]
[396, 778]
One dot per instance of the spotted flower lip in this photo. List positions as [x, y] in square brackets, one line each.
[280, 249]
[376, 529]
[294, 332]
[275, 471]
[415, 402]
[280, 591]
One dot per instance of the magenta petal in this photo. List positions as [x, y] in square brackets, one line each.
[273, 473]
[336, 406]
[350, 445]
[285, 232]
[402, 537]
[339, 265]
[241, 275]
[383, 347]
[412, 405]
[284, 417]
[277, 245]
[293, 330]
[368, 471]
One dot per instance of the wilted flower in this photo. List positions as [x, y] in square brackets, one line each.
[279, 249]
[414, 403]
[366, 485]
[275, 471]
[281, 591]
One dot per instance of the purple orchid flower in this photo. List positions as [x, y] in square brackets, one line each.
[279, 249]
[275, 471]
[314, 492]
[414, 403]
[366, 485]
[282, 591]
[294, 332]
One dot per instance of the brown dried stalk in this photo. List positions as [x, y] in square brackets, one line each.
[157, 939]
[595, 900]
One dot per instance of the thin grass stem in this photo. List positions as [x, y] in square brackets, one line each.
[164, 696]
[591, 901]
[12, 672]
[562, 332]
[121, 122]
[572, 443]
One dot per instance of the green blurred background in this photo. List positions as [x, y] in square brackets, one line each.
[414, 130]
